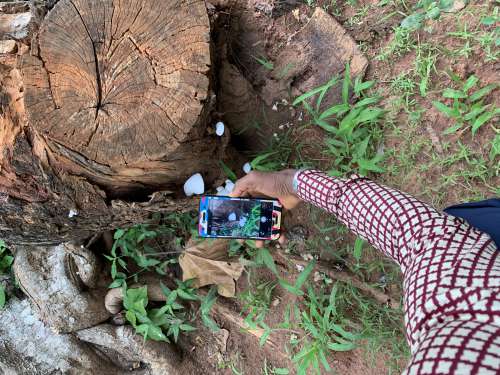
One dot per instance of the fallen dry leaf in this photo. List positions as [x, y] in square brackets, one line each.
[207, 262]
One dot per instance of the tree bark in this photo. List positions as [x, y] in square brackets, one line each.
[111, 101]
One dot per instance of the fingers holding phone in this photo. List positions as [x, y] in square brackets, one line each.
[278, 185]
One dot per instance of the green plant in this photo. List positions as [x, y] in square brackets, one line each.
[401, 43]
[264, 62]
[325, 332]
[468, 108]
[143, 245]
[495, 147]
[170, 319]
[257, 300]
[425, 65]
[426, 10]
[6, 260]
[268, 370]
[352, 128]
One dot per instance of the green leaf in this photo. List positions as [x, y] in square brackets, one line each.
[345, 334]
[481, 120]
[452, 129]
[228, 172]
[265, 63]
[265, 336]
[358, 248]
[454, 94]
[281, 371]
[209, 323]
[475, 112]
[122, 263]
[130, 315]
[315, 91]
[268, 260]
[360, 86]
[116, 283]
[322, 357]
[370, 165]
[113, 269]
[187, 295]
[413, 21]
[346, 84]
[119, 234]
[366, 102]
[340, 347]
[335, 110]
[482, 92]
[302, 278]
[450, 112]
[470, 83]
[187, 328]
[2, 297]
[495, 147]
[289, 287]
[433, 13]
[156, 333]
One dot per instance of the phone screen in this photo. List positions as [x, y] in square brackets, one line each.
[240, 218]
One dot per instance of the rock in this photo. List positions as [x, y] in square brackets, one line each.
[28, 347]
[63, 283]
[8, 46]
[122, 345]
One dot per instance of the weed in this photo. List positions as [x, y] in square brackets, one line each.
[352, 128]
[256, 301]
[425, 10]
[268, 370]
[401, 43]
[404, 85]
[425, 65]
[6, 260]
[142, 245]
[139, 249]
[264, 62]
[324, 332]
[468, 108]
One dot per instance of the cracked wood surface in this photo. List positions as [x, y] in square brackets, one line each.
[119, 90]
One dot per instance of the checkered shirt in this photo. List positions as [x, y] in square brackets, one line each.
[451, 271]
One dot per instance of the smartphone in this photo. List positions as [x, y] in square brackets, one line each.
[246, 218]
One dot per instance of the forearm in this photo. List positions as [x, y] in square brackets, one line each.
[451, 270]
[385, 217]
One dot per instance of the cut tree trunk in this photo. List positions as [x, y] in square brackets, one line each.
[111, 101]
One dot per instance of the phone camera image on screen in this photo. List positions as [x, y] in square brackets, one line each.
[240, 218]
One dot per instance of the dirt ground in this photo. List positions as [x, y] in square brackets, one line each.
[254, 101]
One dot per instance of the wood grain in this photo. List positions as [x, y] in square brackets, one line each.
[119, 88]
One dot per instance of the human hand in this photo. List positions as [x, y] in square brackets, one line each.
[277, 185]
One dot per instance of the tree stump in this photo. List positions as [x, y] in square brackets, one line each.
[119, 90]
[112, 101]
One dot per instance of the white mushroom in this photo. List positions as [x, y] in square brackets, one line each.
[247, 167]
[219, 128]
[229, 186]
[194, 185]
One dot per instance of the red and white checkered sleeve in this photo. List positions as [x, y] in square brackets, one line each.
[451, 271]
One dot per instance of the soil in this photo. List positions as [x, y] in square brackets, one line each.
[254, 102]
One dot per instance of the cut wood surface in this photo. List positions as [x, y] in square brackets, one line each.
[119, 89]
